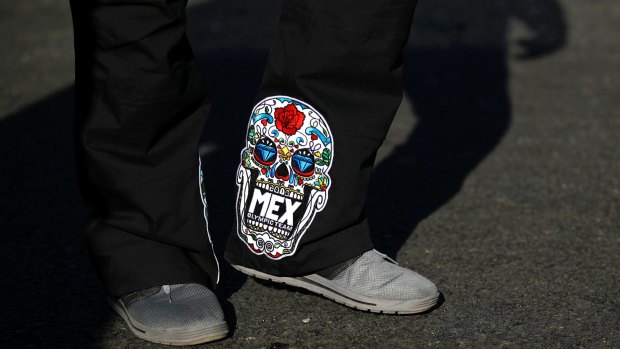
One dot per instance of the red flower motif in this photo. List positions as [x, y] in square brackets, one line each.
[288, 119]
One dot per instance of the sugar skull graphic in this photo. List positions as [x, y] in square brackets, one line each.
[283, 177]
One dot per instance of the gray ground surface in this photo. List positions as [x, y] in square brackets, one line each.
[500, 181]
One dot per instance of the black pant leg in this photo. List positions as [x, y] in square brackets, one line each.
[140, 111]
[329, 94]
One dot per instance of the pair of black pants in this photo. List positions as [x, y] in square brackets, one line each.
[140, 112]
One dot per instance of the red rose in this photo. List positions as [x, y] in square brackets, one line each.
[289, 119]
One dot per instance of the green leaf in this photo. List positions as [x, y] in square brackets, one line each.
[326, 154]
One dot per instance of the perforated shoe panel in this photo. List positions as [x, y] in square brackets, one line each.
[372, 275]
[183, 306]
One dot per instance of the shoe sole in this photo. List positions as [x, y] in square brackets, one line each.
[326, 288]
[171, 337]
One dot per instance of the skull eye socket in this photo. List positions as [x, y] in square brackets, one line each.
[265, 152]
[303, 163]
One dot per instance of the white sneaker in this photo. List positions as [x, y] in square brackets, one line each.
[371, 281]
[182, 314]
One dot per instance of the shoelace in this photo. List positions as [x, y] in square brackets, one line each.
[386, 257]
[166, 289]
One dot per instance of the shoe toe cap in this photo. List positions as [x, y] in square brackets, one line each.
[419, 287]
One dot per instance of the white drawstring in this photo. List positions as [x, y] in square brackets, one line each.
[386, 257]
[166, 289]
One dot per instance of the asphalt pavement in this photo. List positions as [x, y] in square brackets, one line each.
[499, 180]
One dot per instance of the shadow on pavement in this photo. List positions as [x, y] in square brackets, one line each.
[50, 294]
[456, 76]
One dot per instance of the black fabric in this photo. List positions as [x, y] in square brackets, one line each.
[345, 59]
[139, 115]
[141, 107]
[133, 297]
[332, 272]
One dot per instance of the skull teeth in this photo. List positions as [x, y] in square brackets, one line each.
[279, 190]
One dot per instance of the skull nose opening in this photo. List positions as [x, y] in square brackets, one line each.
[265, 152]
[282, 172]
[303, 163]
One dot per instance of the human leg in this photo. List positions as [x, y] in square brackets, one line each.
[343, 61]
[140, 110]
[329, 94]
